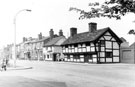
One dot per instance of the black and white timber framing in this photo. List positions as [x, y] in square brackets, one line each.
[102, 47]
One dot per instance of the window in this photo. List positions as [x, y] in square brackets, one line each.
[108, 54]
[47, 56]
[102, 43]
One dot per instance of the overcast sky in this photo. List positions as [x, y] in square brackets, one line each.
[52, 14]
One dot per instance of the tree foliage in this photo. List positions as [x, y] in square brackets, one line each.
[111, 9]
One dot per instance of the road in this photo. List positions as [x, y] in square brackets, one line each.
[64, 74]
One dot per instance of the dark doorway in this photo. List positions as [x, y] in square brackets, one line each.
[54, 57]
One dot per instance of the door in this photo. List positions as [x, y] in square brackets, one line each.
[54, 57]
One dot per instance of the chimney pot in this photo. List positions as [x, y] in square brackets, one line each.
[51, 33]
[73, 31]
[92, 27]
[60, 33]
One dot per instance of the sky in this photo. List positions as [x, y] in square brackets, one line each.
[53, 14]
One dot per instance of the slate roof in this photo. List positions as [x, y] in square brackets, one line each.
[87, 36]
[54, 41]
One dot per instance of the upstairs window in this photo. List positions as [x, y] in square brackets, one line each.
[102, 43]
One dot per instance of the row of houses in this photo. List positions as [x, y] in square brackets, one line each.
[93, 46]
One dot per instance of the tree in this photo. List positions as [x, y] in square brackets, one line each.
[111, 9]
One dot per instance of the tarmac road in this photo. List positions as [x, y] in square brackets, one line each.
[64, 74]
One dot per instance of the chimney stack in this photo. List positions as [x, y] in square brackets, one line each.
[51, 32]
[73, 31]
[60, 33]
[24, 39]
[40, 36]
[92, 27]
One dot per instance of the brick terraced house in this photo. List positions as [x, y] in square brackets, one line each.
[94, 46]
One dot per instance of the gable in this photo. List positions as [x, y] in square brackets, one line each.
[109, 35]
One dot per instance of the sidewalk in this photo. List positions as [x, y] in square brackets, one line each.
[17, 67]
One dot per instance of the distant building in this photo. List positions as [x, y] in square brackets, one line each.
[53, 49]
[127, 53]
[33, 48]
[94, 46]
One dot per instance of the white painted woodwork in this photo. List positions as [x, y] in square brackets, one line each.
[66, 50]
[108, 44]
[76, 49]
[69, 50]
[94, 55]
[94, 60]
[80, 49]
[69, 46]
[116, 52]
[115, 45]
[108, 50]
[83, 49]
[92, 49]
[102, 59]
[113, 39]
[68, 59]
[84, 45]
[107, 37]
[107, 33]
[71, 59]
[82, 59]
[78, 60]
[75, 60]
[90, 60]
[115, 59]
[71, 56]
[65, 56]
[101, 38]
[102, 48]
[102, 54]
[73, 50]
[88, 48]
[63, 47]
[73, 46]
[108, 59]
[79, 45]
[97, 48]
[91, 44]
[65, 59]
[82, 56]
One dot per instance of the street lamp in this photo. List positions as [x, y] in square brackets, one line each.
[28, 10]
[133, 32]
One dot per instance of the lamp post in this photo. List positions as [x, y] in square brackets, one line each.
[133, 32]
[28, 10]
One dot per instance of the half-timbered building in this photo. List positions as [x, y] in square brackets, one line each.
[94, 46]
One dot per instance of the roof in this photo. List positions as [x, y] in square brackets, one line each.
[55, 41]
[88, 37]
[123, 39]
[132, 45]
[39, 40]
